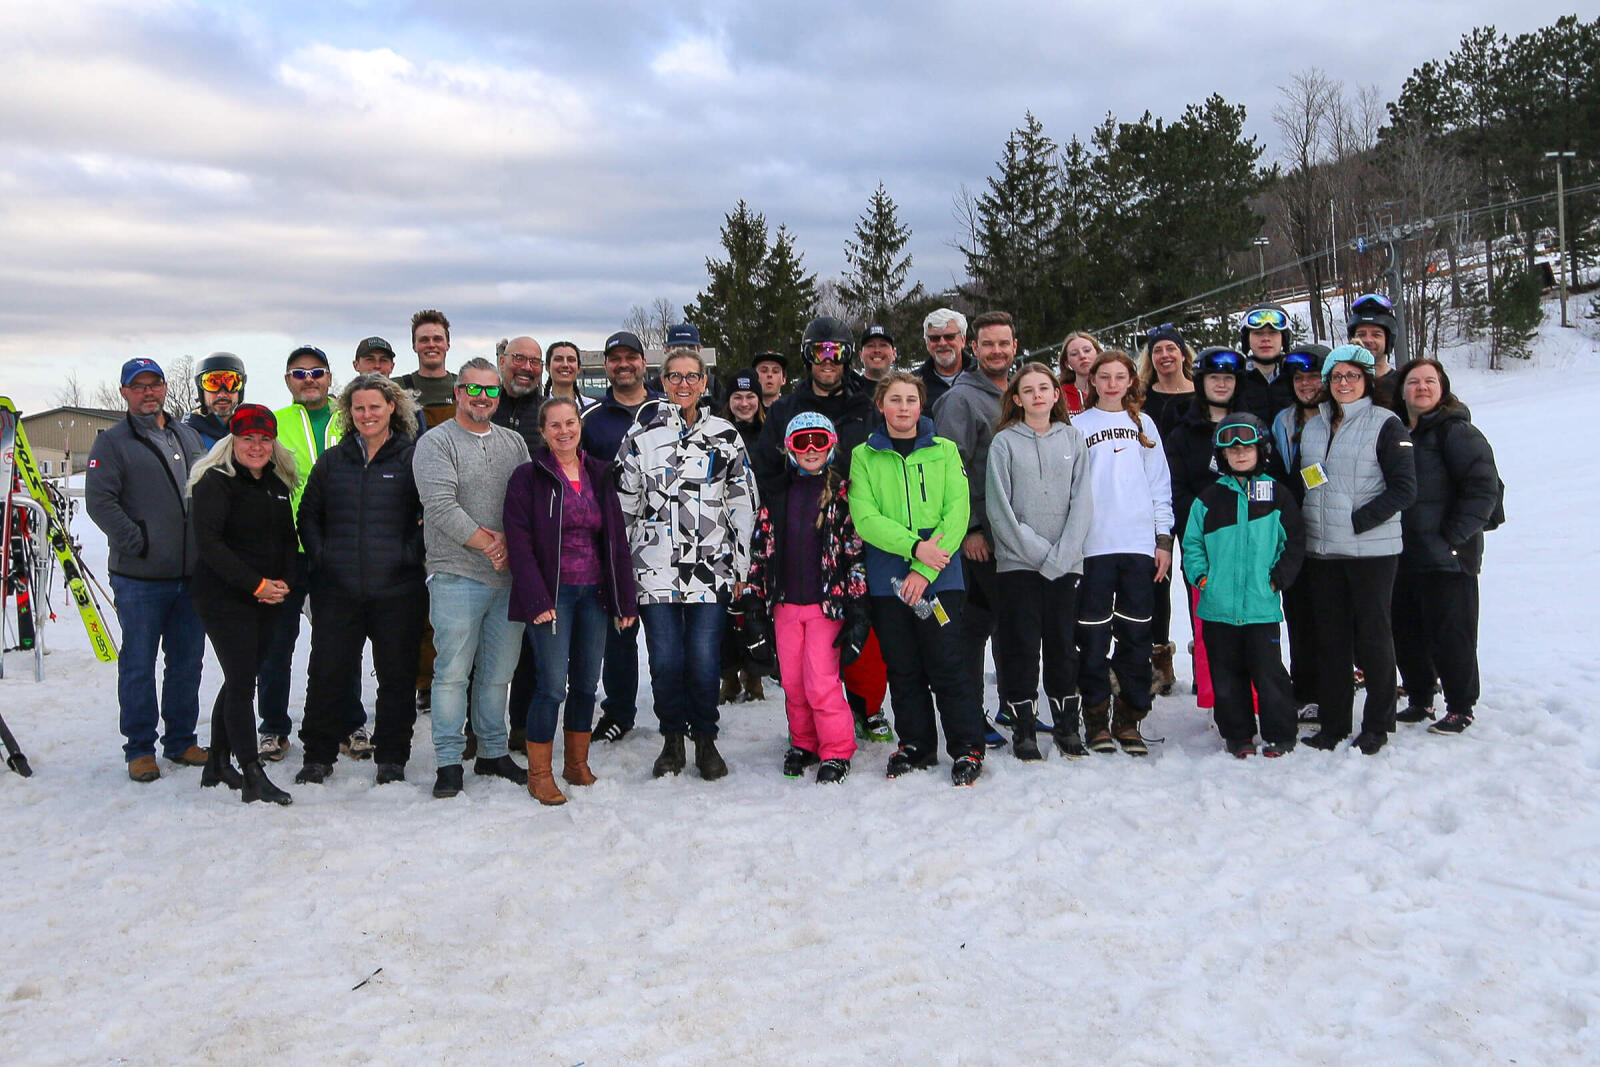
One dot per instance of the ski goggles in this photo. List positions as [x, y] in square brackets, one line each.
[1235, 434]
[300, 374]
[1225, 362]
[221, 381]
[1301, 363]
[811, 441]
[490, 391]
[1372, 302]
[1265, 319]
[827, 352]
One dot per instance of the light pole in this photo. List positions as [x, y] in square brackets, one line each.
[1261, 244]
[1561, 229]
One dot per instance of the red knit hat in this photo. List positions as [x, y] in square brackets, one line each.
[253, 419]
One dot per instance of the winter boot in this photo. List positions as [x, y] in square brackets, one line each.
[500, 767]
[313, 773]
[575, 758]
[751, 681]
[967, 768]
[389, 773]
[541, 782]
[1161, 677]
[832, 770]
[671, 760]
[1370, 742]
[730, 686]
[707, 760]
[258, 787]
[1024, 729]
[796, 760]
[1125, 728]
[1097, 727]
[1064, 710]
[219, 770]
[447, 781]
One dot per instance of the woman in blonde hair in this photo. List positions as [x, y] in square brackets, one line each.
[1128, 550]
[245, 554]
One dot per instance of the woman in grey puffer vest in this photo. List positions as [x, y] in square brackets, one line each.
[1357, 468]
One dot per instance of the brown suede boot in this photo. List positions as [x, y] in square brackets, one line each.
[575, 758]
[1162, 677]
[730, 687]
[1097, 727]
[541, 782]
[751, 683]
[1125, 728]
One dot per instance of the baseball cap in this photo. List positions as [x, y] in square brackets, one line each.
[141, 365]
[253, 419]
[683, 335]
[374, 344]
[770, 357]
[624, 339]
[877, 333]
[308, 350]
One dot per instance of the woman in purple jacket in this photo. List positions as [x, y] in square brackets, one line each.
[570, 568]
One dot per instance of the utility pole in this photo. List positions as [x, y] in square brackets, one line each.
[1561, 229]
[1261, 259]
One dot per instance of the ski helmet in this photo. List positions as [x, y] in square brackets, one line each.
[1265, 316]
[1373, 309]
[809, 420]
[1218, 359]
[1241, 428]
[827, 330]
[218, 361]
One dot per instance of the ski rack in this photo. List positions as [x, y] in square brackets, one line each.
[38, 580]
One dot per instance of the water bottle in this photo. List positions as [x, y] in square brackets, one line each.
[923, 609]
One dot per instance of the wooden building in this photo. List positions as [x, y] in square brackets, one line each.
[61, 437]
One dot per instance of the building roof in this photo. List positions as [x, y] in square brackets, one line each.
[99, 413]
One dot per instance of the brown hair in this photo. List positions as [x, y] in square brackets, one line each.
[403, 420]
[1062, 369]
[1447, 399]
[899, 377]
[427, 315]
[994, 318]
[1369, 380]
[1131, 400]
[550, 403]
[1011, 411]
[1147, 365]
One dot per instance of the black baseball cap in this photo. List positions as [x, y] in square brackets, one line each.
[770, 357]
[374, 344]
[875, 333]
[624, 339]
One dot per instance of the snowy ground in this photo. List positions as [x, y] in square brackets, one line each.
[1437, 904]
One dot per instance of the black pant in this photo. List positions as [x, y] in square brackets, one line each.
[1436, 637]
[1116, 600]
[1242, 657]
[978, 623]
[1161, 616]
[341, 625]
[1040, 613]
[524, 684]
[241, 635]
[1299, 617]
[1352, 625]
[924, 662]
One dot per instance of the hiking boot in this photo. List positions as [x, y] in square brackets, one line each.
[671, 760]
[358, 745]
[313, 773]
[907, 758]
[143, 769]
[1162, 678]
[1414, 714]
[1240, 747]
[832, 770]
[193, 756]
[796, 760]
[272, 747]
[1454, 724]
[1097, 727]
[707, 760]
[967, 768]
[447, 782]
[1125, 728]
[609, 729]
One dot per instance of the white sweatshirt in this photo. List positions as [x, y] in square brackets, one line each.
[1129, 484]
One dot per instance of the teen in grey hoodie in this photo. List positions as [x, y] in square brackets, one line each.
[1039, 513]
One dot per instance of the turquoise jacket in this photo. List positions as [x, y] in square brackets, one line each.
[1243, 545]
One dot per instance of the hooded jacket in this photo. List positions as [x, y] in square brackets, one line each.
[1038, 497]
[134, 490]
[967, 415]
[210, 428]
[691, 505]
[896, 501]
[1243, 545]
[533, 516]
[361, 522]
[1457, 489]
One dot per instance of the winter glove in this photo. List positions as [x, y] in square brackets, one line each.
[853, 636]
[757, 629]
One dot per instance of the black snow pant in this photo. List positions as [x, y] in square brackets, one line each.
[241, 635]
[1352, 598]
[1436, 637]
[1242, 657]
[979, 624]
[1299, 617]
[924, 663]
[1116, 601]
[340, 626]
[1039, 614]
[1161, 615]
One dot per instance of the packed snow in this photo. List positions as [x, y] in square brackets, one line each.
[1439, 903]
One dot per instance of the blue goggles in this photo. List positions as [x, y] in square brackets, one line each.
[1372, 301]
[1266, 319]
[1225, 362]
[1301, 363]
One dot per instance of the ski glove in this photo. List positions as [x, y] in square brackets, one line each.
[853, 635]
[757, 629]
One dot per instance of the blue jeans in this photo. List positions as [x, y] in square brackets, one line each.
[272, 685]
[568, 653]
[685, 645]
[157, 615]
[475, 641]
[620, 674]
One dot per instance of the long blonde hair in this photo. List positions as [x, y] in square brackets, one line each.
[221, 458]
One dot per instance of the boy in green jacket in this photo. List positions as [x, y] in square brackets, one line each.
[1241, 548]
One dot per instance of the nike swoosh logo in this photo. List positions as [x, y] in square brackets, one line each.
[1116, 450]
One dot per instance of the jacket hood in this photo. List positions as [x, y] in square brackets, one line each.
[880, 439]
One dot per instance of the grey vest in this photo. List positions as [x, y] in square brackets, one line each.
[1354, 479]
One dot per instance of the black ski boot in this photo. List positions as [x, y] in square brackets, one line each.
[671, 760]
[707, 760]
[258, 787]
[1240, 747]
[908, 758]
[796, 760]
[832, 770]
[1024, 729]
[1064, 710]
[967, 768]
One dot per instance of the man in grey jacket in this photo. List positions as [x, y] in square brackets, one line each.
[135, 491]
[967, 415]
[462, 468]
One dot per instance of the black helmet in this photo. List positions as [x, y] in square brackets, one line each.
[218, 361]
[1218, 359]
[1264, 316]
[827, 330]
[1241, 427]
[1373, 309]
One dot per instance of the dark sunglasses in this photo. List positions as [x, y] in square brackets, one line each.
[300, 374]
[490, 391]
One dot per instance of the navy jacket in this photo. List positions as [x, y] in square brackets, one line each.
[605, 426]
[361, 523]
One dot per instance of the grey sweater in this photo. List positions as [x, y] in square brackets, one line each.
[1038, 499]
[461, 478]
[967, 415]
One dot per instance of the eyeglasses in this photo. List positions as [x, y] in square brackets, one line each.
[682, 377]
[1300, 363]
[811, 441]
[1266, 319]
[146, 387]
[519, 360]
[1227, 361]
[1346, 377]
[827, 352]
[945, 337]
[1228, 436]
[300, 374]
[490, 391]
[221, 381]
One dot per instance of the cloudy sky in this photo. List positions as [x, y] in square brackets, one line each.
[178, 176]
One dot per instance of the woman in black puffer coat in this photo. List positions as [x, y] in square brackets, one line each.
[1435, 605]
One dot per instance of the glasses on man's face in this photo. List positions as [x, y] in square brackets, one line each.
[681, 377]
[221, 381]
[146, 387]
[1345, 377]
[946, 338]
[519, 360]
[490, 391]
[300, 374]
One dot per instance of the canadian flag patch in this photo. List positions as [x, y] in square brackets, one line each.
[93, 463]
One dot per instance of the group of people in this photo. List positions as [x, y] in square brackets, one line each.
[499, 538]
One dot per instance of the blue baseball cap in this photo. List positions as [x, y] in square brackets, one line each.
[135, 367]
[683, 335]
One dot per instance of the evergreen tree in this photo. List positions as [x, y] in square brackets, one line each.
[757, 298]
[787, 293]
[875, 271]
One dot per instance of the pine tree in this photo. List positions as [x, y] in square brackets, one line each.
[758, 298]
[787, 293]
[875, 272]
[1011, 258]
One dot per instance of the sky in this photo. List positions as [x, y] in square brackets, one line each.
[182, 177]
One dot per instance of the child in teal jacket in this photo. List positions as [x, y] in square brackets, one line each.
[1242, 547]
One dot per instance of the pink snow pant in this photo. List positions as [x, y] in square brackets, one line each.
[819, 716]
[1202, 665]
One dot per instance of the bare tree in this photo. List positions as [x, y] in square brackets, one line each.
[181, 395]
[106, 397]
[1303, 117]
[651, 323]
[830, 301]
[71, 394]
[664, 315]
